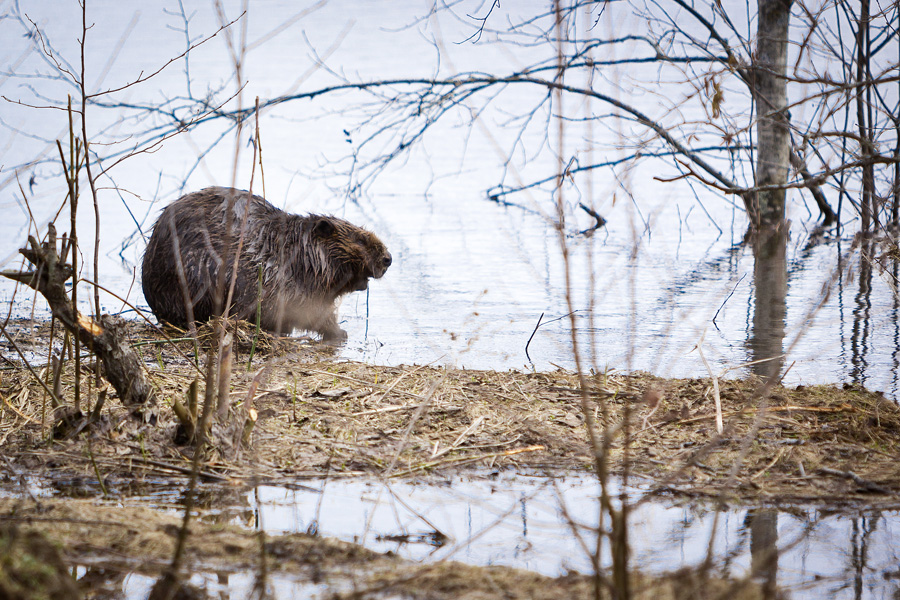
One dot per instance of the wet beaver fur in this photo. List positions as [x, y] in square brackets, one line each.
[306, 263]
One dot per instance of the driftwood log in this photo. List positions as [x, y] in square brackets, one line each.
[121, 365]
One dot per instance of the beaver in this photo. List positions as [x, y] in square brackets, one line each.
[302, 264]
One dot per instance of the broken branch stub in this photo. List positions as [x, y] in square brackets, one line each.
[121, 365]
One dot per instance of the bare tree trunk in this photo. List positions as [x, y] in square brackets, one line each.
[770, 94]
[864, 118]
[767, 212]
[895, 208]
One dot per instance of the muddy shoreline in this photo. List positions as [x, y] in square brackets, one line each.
[321, 418]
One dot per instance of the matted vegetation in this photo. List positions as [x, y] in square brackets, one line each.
[318, 416]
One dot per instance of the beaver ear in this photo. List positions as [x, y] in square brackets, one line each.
[324, 227]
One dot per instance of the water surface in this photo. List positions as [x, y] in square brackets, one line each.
[548, 524]
[470, 278]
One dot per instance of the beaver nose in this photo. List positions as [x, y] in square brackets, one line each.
[387, 260]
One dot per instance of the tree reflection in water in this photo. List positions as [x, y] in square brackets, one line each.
[766, 345]
[766, 339]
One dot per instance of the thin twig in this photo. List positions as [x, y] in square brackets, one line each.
[475, 425]
[463, 460]
[718, 400]
[865, 484]
[531, 337]
[726, 300]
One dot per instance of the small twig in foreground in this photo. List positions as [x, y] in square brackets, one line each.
[531, 337]
[865, 484]
[699, 347]
[726, 300]
[463, 460]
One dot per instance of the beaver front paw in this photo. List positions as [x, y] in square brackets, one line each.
[335, 337]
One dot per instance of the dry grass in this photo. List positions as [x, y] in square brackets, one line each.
[319, 417]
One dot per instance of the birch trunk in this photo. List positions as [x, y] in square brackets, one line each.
[772, 127]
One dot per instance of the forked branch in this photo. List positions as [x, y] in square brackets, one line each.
[121, 365]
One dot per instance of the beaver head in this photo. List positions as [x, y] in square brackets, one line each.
[354, 253]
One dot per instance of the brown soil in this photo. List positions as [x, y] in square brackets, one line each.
[319, 417]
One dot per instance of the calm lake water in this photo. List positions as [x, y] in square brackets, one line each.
[521, 521]
[471, 277]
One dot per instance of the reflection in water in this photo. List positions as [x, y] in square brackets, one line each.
[763, 525]
[766, 339]
[804, 553]
[858, 554]
[895, 321]
[859, 341]
[523, 522]
[103, 582]
[223, 585]
[766, 342]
